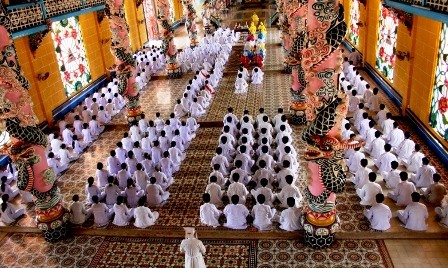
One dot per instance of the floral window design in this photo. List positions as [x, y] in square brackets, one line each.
[387, 42]
[71, 54]
[439, 105]
[354, 20]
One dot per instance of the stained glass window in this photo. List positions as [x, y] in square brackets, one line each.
[439, 104]
[387, 41]
[354, 20]
[71, 54]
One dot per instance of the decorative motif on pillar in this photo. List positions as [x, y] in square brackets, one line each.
[151, 20]
[190, 21]
[326, 107]
[124, 62]
[27, 145]
[168, 47]
[207, 17]
[296, 41]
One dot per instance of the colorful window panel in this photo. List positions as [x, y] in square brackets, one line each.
[387, 42]
[71, 54]
[439, 105]
[354, 20]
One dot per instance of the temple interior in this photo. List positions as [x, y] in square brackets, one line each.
[63, 49]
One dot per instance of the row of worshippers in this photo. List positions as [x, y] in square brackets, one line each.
[245, 161]
[149, 60]
[205, 54]
[243, 78]
[198, 93]
[387, 153]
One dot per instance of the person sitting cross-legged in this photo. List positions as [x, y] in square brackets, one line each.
[208, 212]
[414, 215]
[144, 217]
[290, 217]
[379, 214]
[263, 214]
[236, 214]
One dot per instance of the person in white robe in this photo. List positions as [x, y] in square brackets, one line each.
[193, 249]
[65, 156]
[424, 175]
[405, 148]
[403, 191]
[442, 212]
[383, 162]
[290, 217]
[415, 161]
[132, 194]
[265, 191]
[79, 214]
[55, 144]
[257, 76]
[196, 110]
[396, 136]
[57, 166]
[215, 192]
[392, 178]
[289, 190]
[112, 191]
[368, 192]
[353, 102]
[354, 160]
[179, 109]
[379, 214]
[113, 163]
[347, 132]
[144, 217]
[208, 212]
[362, 174]
[155, 196]
[377, 146]
[8, 212]
[122, 214]
[240, 84]
[414, 215]
[237, 188]
[388, 125]
[236, 214]
[262, 214]
[67, 136]
[101, 213]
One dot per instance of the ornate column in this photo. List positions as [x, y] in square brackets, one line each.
[295, 42]
[326, 107]
[284, 27]
[206, 18]
[27, 142]
[190, 21]
[167, 34]
[124, 62]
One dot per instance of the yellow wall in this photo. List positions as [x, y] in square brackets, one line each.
[142, 25]
[92, 43]
[402, 67]
[372, 31]
[131, 19]
[425, 59]
[49, 94]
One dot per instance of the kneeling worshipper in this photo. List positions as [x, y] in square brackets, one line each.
[257, 76]
[8, 213]
[414, 215]
[79, 214]
[442, 212]
[236, 214]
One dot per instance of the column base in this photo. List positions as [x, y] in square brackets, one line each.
[319, 237]
[57, 229]
[173, 71]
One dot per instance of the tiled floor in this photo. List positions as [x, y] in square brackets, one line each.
[182, 207]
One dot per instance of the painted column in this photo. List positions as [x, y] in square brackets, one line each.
[167, 35]
[326, 107]
[151, 20]
[124, 62]
[294, 43]
[27, 142]
[190, 21]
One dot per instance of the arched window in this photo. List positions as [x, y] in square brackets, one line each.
[354, 20]
[387, 42]
[438, 118]
[71, 54]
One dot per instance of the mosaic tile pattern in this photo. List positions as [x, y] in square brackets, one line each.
[342, 253]
[31, 250]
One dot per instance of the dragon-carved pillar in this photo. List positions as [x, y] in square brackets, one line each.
[190, 21]
[325, 110]
[167, 34]
[295, 42]
[124, 62]
[27, 142]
